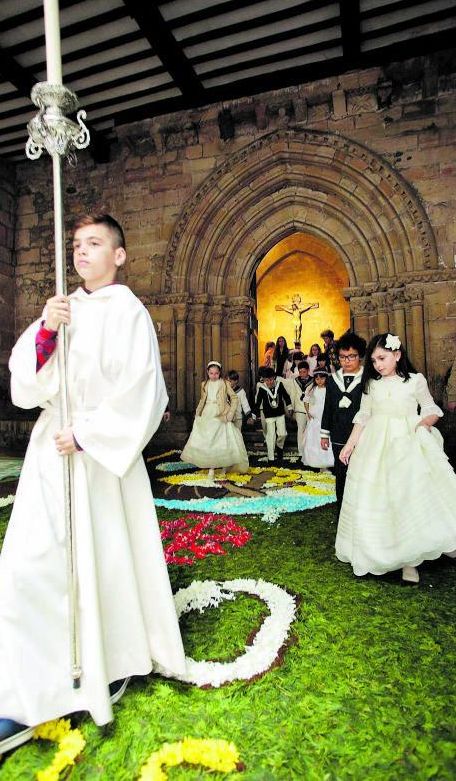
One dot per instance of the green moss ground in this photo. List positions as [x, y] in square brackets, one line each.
[367, 691]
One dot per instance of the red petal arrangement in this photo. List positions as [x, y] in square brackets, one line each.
[195, 536]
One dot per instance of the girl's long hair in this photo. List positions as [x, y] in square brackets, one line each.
[278, 351]
[403, 368]
[310, 351]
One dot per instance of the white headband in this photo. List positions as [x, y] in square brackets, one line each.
[214, 363]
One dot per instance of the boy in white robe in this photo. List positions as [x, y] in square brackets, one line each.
[125, 605]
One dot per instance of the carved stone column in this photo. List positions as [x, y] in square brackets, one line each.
[238, 336]
[397, 303]
[199, 373]
[181, 314]
[380, 302]
[414, 297]
[361, 308]
[216, 317]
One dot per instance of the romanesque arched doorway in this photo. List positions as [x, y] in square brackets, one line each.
[303, 267]
[286, 182]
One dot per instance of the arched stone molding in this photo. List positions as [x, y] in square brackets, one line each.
[298, 180]
[310, 181]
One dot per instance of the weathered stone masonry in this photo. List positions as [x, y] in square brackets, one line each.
[366, 162]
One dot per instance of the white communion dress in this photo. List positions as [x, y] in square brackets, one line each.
[212, 442]
[399, 505]
[312, 452]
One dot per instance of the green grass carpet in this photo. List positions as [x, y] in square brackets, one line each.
[366, 691]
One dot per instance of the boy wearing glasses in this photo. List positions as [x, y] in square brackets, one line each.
[342, 402]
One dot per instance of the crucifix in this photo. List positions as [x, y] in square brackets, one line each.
[296, 310]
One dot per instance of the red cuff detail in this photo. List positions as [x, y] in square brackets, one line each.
[46, 333]
[45, 344]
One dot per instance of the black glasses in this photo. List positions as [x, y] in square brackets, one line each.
[350, 357]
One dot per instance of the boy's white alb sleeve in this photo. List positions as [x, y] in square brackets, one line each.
[115, 433]
[30, 388]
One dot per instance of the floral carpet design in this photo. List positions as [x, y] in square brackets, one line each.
[196, 536]
[268, 491]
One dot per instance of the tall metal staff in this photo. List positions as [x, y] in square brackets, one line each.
[50, 129]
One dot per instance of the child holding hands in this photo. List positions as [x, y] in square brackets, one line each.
[214, 440]
[399, 505]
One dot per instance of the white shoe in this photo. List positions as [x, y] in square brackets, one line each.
[210, 474]
[410, 575]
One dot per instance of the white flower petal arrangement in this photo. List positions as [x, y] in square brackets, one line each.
[260, 655]
[6, 500]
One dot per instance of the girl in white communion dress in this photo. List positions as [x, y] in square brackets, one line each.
[215, 441]
[399, 505]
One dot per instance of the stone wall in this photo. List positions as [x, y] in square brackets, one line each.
[364, 161]
[7, 228]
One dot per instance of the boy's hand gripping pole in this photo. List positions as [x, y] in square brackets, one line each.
[51, 130]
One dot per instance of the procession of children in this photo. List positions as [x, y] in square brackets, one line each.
[360, 411]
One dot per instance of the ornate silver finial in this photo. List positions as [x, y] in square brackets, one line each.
[50, 129]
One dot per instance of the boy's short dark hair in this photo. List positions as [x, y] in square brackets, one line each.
[233, 375]
[352, 341]
[103, 219]
[303, 365]
[328, 332]
[268, 372]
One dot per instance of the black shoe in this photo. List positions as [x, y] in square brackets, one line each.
[271, 462]
[279, 457]
[117, 689]
[13, 734]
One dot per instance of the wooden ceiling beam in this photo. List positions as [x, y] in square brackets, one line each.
[70, 30]
[351, 31]
[164, 45]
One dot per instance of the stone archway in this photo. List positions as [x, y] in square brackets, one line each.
[294, 180]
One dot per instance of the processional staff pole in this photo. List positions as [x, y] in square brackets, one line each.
[51, 130]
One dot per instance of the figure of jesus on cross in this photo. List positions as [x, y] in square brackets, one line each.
[296, 311]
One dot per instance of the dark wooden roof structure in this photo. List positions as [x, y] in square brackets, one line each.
[132, 59]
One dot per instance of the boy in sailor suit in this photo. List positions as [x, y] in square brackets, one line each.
[343, 399]
[272, 398]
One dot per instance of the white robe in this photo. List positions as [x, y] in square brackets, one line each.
[126, 608]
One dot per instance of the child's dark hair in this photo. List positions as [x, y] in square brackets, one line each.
[351, 340]
[103, 219]
[303, 365]
[261, 371]
[299, 356]
[403, 368]
[233, 375]
[277, 350]
[314, 345]
[327, 332]
[267, 372]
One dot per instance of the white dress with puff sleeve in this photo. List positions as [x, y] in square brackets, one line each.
[399, 505]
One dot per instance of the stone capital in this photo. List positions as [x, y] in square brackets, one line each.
[395, 297]
[414, 295]
[361, 306]
[380, 301]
